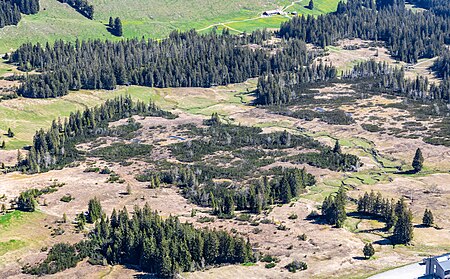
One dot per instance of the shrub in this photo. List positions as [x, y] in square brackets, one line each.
[293, 216]
[296, 265]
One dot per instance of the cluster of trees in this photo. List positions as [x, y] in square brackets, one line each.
[183, 59]
[161, 246]
[330, 158]
[27, 201]
[56, 147]
[284, 185]
[333, 117]
[82, 6]
[283, 88]
[280, 189]
[441, 65]
[333, 208]
[392, 80]
[407, 34]
[395, 214]
[115, 26]
[10, 10]
[438, 7]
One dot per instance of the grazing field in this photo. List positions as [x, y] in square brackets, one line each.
[155, 19]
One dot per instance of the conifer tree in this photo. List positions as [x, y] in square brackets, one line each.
[428, 218]
[417, 163]
[368, 250]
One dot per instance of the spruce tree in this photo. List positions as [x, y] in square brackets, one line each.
[403, 230]
[311, 5]
[337, 147]
[368, 250]
[417, 163]
[428, 218]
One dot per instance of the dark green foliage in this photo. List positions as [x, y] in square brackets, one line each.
[417, 163]
[61, 257]
[115, 27]
[428, 219]
[337, 147]
[403, 229]
[119, 152]
[334, 117]
[94, 210]
[10, 10]
[378, 206]
[82, 6]
[328, 159]
[27, 201]
[285, 87]
[368, 250]
[395, 215]
[311, 4]
[333, 208]
[361, 19]
[10, 133]
[296, 265]
[56, 147]
[153, 244]
[182, 60]
[67, 198]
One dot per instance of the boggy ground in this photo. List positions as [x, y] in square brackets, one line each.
[339, 250]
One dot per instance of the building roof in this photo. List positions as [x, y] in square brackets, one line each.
[444, 261]
[445, 265]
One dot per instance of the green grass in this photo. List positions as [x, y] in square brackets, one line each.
[155, 19]
[25, 116]
[15, 228]
[8, 218]
[11, 245]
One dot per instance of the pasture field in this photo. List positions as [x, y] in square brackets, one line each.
[154, 19]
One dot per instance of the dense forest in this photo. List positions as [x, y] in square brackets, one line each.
[184, 59]
[161, 246]
[82, 6]
[10, 10]
[408, 35]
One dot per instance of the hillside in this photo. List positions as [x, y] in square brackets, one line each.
[154, 19]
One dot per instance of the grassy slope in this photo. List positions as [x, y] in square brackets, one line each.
[155, 18]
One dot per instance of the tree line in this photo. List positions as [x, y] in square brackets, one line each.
[82, 6]
[181, 60]
[160, 246]
[10, 10]
[56, 147]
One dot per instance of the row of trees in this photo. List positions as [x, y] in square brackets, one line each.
[10, 10]
[56, 147]
[181, 60]
[161, 246]
[82, 6]
[395, 214]
[407, 34]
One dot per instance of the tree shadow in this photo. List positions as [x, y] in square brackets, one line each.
[145, 276]
[359, 258]
[406, 172]
[384, 242]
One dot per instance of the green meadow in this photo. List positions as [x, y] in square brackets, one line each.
[155, 19]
